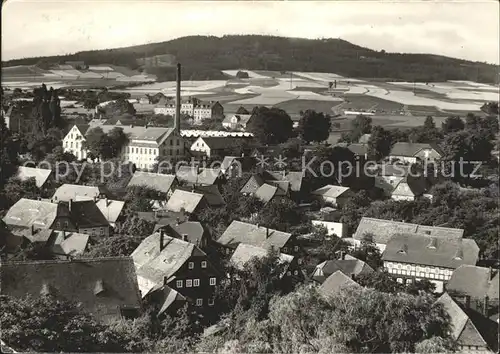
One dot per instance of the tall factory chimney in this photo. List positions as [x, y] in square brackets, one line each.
[177, 124]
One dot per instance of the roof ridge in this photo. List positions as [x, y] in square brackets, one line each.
[75, 260]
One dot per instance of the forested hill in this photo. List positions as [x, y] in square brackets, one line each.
[204, 57]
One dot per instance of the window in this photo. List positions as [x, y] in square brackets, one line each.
[196, 282]
[189, 283]
[285, 249]
[295, 272]
[171, 143]
[178, 283]
[199, 302]
[421, 274]
[102, 231]
[296, 248]
[210, 302]
[191, 265]
[177, 142]
[204, 264]
[212, 281]
[299, 261]
[288, 273]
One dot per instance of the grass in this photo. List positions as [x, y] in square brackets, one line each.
[357, 102]
[295, 106]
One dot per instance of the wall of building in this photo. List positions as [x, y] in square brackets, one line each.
[437, 275]
[73, 143]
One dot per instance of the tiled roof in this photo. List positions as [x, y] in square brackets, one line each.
[227, 142]
[446, 252]
[193, 229]
[28, 212]
[132, 131]
[202, 176]
[241, 232]
[245, 253]
[335, 283]
[111, 209]
[184, 200]
[266, 192]
[382, 230]
[347, 266]
[76, 281]
[156, 263]
[41, 176]
[411, 149]
[331, 191]
[211, 193]
[157, 181]
[76, 192]
[69, 243]
[155, 134]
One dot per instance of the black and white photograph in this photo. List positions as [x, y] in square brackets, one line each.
[233, 177]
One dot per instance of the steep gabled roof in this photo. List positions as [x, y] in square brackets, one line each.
[184, 200]
[241, 232]
[157, 181]
[245, 253]
[76, 192]
[335, 283]
[266, 192]
[411, 149]
[331, 191]
[349, 267]
[472, 281]
[85, 214]
[75, 281]
[29, 212]
[39, 174]
[111, 209]
[446, 252]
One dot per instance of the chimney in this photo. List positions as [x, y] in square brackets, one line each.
[32, 230]
[267, 232]
[106, 201]
[162, 238]
[184, 237]
[69, 204]
[177, 123]
[178, 220]
[485, 306]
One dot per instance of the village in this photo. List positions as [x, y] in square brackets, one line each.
[201, 225]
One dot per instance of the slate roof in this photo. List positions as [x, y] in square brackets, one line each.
[156, 263]
[335, 283]
[241, 232]
[473, 281]
[463, 329]
[245, 253]
[266, 192]
[382, 230]
[76, 281]
[349, 267]
[330, 191]
[446, 252]
[76, 192]
[181, 199]
[29, 212]
[111, 209]
[157, 181]
[411, 149]
[41, 176]
[85, 213]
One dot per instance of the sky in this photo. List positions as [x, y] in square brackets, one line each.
[461, 29]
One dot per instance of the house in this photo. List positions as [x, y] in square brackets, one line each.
[111, 209]
[163, 183]
[475, 287]
[364, 139]
[413, 152]
[211, 194]
[68, 192]
[266, 192]
[38, 214]
[104, 287]
[193, 108]
[146, 145]
[388, 176]
[335, 283]
[166, 300]
[194, 175]
[410, 257]
[380, 231]
[335, 196]
[350, 266]
[244, 253]
[185, 201]
[162, 260]
[410, 188]
[333, 228]
[238, 121]
[42, 177]
[63, 244]
[241, 232]
[471, 333]
[232, 166]
[87, 217]
[190, 231]
[217, 146]
[287, 183]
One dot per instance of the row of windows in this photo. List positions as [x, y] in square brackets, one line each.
[418, 274]
[295, 272]
[295, 249]
[70, 145]
[412, 267]
[190, 283]
[94, 231]
[199, 302]
[203, 264]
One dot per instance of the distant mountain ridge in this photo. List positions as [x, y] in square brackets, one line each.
[203, 57]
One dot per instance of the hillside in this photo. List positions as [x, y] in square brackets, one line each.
[204, 57]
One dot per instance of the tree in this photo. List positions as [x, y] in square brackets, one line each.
[44, 324]
[15, 189]
[427, 133]
[380, 143]
[436, 345]
[117, 139]
[242, 75]
[314, 126]
[95, 142]
[119, 107]
[118, 244]
[270, 125]
[359, 126]
[280, 214]
[135, 226]
[380, 281]
[452, 124]
[369, 253]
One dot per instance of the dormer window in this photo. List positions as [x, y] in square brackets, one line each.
[45, 290]
[404, 249]
[433, 243]
[99, 287]
[427, 232]
[459, 255]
